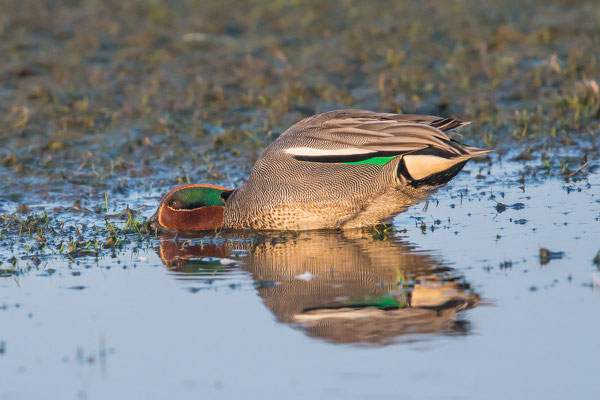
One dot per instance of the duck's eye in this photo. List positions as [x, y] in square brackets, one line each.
[176, 204]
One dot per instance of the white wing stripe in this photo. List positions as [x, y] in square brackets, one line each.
[309, 151]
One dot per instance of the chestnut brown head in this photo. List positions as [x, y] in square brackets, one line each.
[196, 207]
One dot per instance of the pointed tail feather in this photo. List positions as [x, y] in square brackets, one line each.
[473, 152]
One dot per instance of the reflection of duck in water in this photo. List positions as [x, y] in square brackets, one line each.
[345, 289]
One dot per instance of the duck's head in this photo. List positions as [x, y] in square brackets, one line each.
[196, 207]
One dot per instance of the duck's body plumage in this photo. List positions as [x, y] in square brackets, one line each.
[347, 169]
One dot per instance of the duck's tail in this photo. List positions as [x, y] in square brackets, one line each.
[433, 168]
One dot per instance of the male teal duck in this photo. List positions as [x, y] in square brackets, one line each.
[337, 170]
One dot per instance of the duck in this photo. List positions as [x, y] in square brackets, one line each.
[342, 169]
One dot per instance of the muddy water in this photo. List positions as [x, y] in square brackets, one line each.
[457, 302]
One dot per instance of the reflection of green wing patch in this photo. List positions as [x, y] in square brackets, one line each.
[383, 302]
[373, 160]
[204, 266]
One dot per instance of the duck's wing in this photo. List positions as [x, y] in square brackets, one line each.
[362, 137]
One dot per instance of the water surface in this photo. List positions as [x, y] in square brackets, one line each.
[460, 305]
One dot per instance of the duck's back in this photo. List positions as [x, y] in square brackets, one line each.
[345, 169]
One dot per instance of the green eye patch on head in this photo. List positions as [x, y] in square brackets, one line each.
[195, 197]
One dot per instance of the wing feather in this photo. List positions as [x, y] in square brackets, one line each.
[337, 135]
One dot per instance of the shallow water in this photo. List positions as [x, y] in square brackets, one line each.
[467, 309]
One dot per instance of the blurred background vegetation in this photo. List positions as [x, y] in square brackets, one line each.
[95, 90]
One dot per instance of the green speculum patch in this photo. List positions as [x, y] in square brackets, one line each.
[373, 160]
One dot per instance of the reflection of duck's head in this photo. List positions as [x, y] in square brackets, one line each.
[347, 289]
[184, 259]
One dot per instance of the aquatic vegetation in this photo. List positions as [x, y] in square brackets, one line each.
[38, 237]
[157, 84]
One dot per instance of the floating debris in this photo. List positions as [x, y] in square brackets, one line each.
[23, 209]
[547, 255]
[596, 281]
[307, 276]
[4, 272]
[501, 207]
